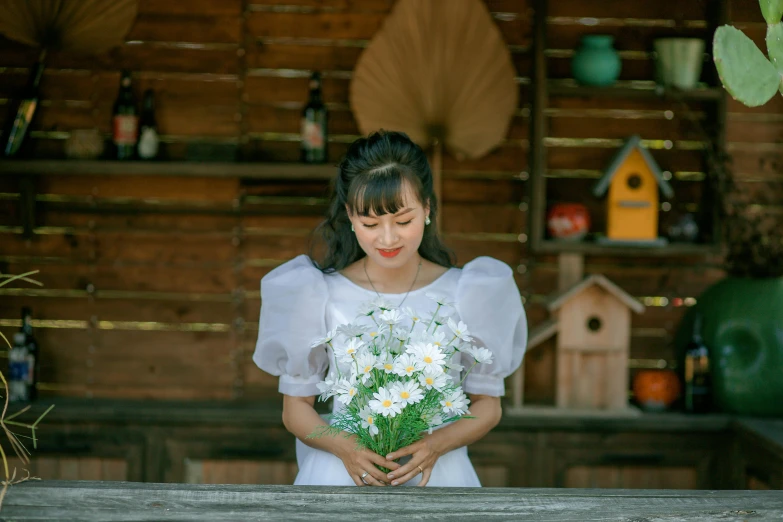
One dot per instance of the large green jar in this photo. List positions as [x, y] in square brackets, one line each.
[743, 329]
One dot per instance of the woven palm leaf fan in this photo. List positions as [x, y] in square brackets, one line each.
[80, 26]
[439, 71]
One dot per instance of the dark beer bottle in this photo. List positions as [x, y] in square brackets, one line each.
[125, 120]
[314, 120]
[698, 386]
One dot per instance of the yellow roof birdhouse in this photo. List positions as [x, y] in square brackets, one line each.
[633, 180]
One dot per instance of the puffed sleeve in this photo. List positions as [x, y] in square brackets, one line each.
[293, 315]
[489, 303]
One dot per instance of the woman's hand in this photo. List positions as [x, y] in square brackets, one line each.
[423, 459]
[359, 461]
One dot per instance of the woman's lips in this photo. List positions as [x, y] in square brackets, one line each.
[389, 253]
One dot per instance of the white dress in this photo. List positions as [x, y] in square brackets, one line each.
[300, 304]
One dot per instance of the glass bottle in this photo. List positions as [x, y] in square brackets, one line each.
[313, 127]
[698, 392]
[125, 120]
[19, 124]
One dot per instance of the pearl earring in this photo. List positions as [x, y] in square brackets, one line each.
[427, 220]
[352, 230]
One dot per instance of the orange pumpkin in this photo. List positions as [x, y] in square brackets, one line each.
[656, 390]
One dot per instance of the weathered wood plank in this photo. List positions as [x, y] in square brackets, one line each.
[137, 501]
[186, 27]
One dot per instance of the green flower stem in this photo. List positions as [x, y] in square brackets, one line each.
[475, 362]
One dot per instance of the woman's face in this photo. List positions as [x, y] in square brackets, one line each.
[392, 240]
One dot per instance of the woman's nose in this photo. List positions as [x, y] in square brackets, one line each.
[389, 237]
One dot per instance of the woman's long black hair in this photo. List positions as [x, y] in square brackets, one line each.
[370, 179]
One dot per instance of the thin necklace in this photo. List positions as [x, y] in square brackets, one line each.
[409, 289]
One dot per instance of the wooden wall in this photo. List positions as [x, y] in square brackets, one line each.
[151, 283]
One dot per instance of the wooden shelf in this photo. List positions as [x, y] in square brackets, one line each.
[588, 248]
[165, 168]
[569, 88]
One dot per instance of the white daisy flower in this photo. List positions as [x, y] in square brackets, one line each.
[407, 392]
[351, 330]
[439, 339]
[400, 334]
[432, 419]
[382, 303]
[349, 350]
[439, 298]
[385, 403]
[455, 403]
[405, 365]
[391, 316]
[411, 313]
[460, 329]
[327, 387]
[365, 363]
[368, 420]
[385, 362]
[481, 355]
[345, 390]
[328, 338]
[366, 309]
[429, 356]
[437, 380]
[455, 366]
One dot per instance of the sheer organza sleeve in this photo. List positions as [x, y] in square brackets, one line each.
[293, 315]
[488, 301]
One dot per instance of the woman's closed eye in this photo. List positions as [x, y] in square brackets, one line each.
[373, 225]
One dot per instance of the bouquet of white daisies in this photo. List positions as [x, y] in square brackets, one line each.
[395, 384]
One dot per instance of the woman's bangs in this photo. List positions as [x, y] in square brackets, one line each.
[377, 193]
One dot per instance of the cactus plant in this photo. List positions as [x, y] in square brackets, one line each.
[747, 74]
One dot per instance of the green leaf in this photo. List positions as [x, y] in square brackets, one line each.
[744, 71]
[772, 10]
[775, 45]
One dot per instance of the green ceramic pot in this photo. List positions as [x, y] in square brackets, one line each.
[596, 62]
[743, 329]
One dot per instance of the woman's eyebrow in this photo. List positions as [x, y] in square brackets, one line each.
[404, 211]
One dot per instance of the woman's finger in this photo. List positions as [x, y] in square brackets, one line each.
[357, 480]
[407, 450]
[425, 477]
[402, 479]
[377, 459]
[374, 477]
[410, 467]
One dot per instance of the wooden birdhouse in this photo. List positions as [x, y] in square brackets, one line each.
[633, 180]
[592, 320]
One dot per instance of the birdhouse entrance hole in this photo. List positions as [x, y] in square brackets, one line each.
[594, 324]
[634, 181]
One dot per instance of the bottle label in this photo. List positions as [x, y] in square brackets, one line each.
[125, 129]
[148, 143]
[312, 135]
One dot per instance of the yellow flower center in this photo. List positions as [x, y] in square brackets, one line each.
[428, 359]
[367, 369]
[369, 420]
[429, 380]
[436, 343]
[387, 403]
[388, 366]
[448, 404]
[373, 334]
[409, 369]
[405, 395]
[351, 350]
[352, 392]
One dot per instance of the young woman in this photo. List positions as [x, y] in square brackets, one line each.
[380, 241]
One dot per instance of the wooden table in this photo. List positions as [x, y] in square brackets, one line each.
[134, 501]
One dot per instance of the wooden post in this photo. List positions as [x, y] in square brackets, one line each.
[570, 269]
[437, 178]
